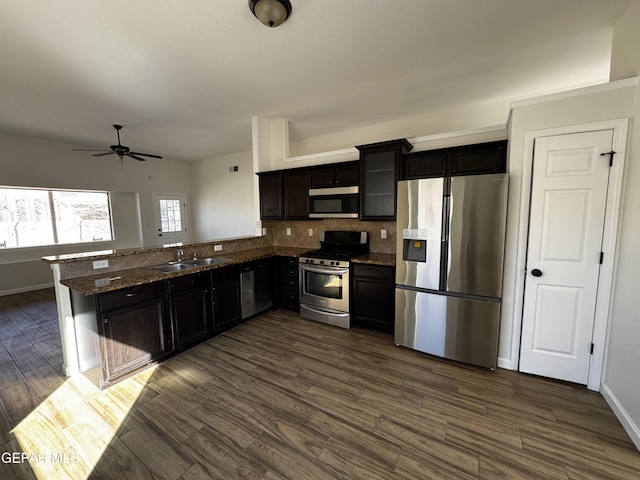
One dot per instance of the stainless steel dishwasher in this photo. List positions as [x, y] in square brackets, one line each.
[256, 282]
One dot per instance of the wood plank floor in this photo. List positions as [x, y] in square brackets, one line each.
[283, 398]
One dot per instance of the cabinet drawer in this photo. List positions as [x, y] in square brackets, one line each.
[130, 296]
[188, 282]
[290, 301]
[289, 285]
[375, 271]
[287, 271]
[288, 267]
[288, 261]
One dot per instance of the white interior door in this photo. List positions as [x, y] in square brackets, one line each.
[170, 213]
[568, 203]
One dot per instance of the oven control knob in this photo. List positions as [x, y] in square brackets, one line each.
[337, 264]
[321, 262]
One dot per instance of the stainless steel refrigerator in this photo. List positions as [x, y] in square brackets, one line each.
[449, 259]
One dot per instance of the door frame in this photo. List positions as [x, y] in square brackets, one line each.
[156, 214]
[610, 235]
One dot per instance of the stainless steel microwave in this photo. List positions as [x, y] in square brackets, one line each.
[338, 202]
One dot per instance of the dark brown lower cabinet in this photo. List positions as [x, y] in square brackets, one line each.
[288, 289]
[132, 337]
[118, 333]
[372, 297]
[190, 307]
[225, 295]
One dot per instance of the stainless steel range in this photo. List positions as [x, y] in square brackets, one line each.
[324, 277]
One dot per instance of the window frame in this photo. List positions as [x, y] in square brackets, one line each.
[54, 218]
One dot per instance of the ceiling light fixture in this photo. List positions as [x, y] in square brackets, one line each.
[271, 12]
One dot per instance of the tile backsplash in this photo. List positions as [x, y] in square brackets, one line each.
[300, 237]
[276, 236]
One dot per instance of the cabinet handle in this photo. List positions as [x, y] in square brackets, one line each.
[132, 294]
[105, 321]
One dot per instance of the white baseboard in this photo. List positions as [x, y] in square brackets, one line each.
[30, 288]
[627, 423]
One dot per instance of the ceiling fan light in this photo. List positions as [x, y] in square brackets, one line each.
[271, 13]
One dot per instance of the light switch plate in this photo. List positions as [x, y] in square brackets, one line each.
[288, 231]
[311, 232]
[217, 248]
[383, 233]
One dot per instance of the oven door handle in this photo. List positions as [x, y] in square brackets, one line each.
[327, 271]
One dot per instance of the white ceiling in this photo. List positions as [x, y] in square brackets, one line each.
[185, 77]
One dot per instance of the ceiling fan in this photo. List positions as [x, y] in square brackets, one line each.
[119, 150]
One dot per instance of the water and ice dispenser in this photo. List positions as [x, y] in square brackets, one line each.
[414, 244]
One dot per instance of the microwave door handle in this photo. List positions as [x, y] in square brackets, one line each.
[327, 271]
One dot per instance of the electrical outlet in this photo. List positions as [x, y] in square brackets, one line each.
[100, 264]
[383, 233]
[288, 232]
[217, 248]
[311, 232]
[264, 231]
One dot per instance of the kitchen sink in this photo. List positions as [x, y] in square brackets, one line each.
[208, 261]
[187, 264]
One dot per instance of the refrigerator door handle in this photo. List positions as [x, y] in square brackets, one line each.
[445, 218]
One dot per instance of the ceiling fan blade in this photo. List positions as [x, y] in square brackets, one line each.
[146, 154]
[131, 154]
[102, 154]
[91, 150]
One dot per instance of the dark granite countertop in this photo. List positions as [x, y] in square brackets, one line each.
[387, 259]
[115, 280]
[110, 281]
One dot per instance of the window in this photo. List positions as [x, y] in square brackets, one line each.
[170, 215]
[36, 217]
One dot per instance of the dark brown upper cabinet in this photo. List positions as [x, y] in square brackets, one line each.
[338, 175]
[296, 194]
[478, 159]
[379, 174]
[284, 194]
[271, 196]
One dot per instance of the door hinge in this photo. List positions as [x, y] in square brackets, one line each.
[592, 345]
[611, 154]
[601, 257]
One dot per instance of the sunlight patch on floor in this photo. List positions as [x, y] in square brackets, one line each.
[66, 436]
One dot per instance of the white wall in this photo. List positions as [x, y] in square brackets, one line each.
[35, 162]
[269, 134]
[621, 385]
[222, 202]
[464, 117]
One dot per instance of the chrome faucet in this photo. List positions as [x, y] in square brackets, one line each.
[180, 255]
[195, 256]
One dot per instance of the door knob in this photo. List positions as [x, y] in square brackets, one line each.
[536, 273]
